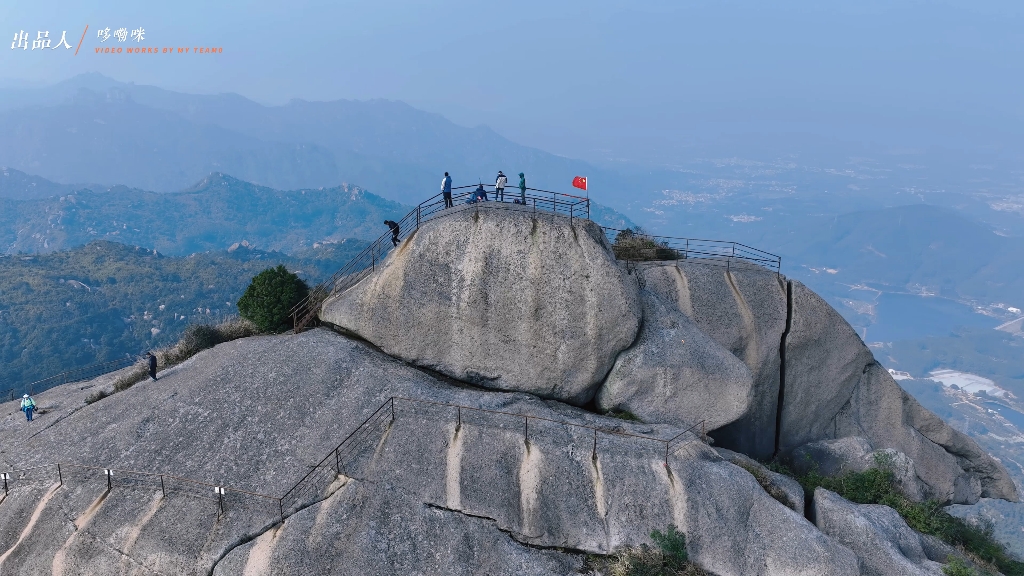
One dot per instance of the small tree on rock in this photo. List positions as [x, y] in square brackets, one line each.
[270, 297]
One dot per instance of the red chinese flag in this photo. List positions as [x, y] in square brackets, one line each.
[580, 182]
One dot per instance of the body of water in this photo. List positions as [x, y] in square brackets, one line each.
[907, 316]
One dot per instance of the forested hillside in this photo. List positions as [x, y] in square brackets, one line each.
[104, 300]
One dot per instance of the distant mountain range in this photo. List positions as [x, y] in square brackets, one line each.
[94, 129]
[213, 214]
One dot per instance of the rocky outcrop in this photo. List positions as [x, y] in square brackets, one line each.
[500, 298]
[854, 454]
[675, 373]
[503, 298]
[781, 487]
[743, 309]
[883, 542]
[431, 491]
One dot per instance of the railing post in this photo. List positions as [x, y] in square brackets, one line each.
[571, 208]
[666, 455]
[594, 454]
[220, 499]
[526, 429]
[392, 408]
[280, 507]
[60, 477]
[109, 473]
[163, 490]
[337, 461]
[686, 254]
[417, 217]
[5, 483]
[458, 425]
[534, 207]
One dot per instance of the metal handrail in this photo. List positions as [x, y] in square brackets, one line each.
[293, 499]
[558, 203]
[387, 409]
[719, 252]
[68, 376]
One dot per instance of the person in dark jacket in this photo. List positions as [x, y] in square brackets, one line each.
[152, 365]
[446, 190]
[522, 188]
[479, 195]
[394, 231]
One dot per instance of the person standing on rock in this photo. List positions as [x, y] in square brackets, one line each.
[446, 190]
[394, 231]
[499, 186]
[28, 406]
[152, 365]
[522, 188]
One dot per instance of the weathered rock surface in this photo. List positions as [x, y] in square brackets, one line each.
[743, 309]
[425, 494]
[854, 454]
[786, 490]
[835, 389]
[954, 468]
[675, 373]
[501, 298]
[883, 542]
[497, 297]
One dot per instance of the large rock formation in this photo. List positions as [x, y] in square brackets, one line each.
[429, 493]
[501, 299]
[676, 373]
[765, 363]
[453, 478]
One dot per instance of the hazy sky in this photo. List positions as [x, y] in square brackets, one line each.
[588, 79]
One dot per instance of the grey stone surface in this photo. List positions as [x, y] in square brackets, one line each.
[885, 414]
[675, 373]
[854, 454]
[831, 457]
[825, 359]
[835, 389]
[883, 542]
[790, 488]
[744, 311]
[423, 496]
[500, 298]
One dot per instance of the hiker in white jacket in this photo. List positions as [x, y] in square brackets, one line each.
[499, 187]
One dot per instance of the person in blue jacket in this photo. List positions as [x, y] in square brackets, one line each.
[446, 190]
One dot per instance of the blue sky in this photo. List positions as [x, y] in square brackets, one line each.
[597, 79]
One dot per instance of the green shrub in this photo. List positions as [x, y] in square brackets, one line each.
[635, 244]
[270, 297]
[957, 567]
[668, 558]
[673, 546]
[623, 415]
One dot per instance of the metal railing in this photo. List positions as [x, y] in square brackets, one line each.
[68, 376]
[638, 247]
[65, 474]
[312, 487]
[364, 263]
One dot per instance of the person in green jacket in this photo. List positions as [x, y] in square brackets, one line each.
[28, 406]
[522, 188]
